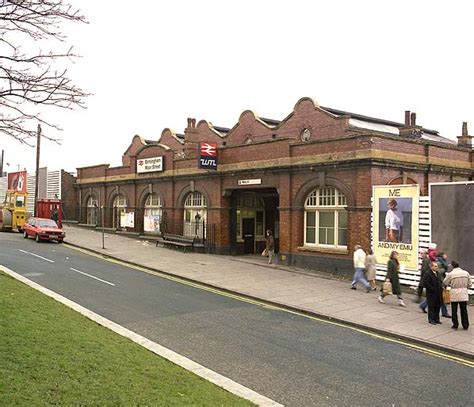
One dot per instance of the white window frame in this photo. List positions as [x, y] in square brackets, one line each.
[194, 204]
[92, 212]
[324, 200]
[119, 205]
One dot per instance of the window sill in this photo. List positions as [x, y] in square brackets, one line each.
[326, 250]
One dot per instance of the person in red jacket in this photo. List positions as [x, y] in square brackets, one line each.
[432, 253]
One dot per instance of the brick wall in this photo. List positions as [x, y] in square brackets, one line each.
[338, 155]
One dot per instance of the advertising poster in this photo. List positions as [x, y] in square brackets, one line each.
[17, 181]
[396, 224]
[151, 223]
[127, 219]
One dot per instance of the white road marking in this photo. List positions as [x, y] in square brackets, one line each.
[33, 274]
[88, 275]
[37, 255]
[176, 358]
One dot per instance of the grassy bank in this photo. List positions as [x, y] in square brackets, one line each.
[50, 354]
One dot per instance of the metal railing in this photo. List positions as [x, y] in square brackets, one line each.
[133, 220]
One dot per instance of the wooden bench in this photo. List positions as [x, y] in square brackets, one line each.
[177, 241]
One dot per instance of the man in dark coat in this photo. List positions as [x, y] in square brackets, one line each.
[425, 266]
[434, 290]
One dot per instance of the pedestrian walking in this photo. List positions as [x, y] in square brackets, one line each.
[460, 281]
[359, 269]
[425, 266]
[270, 246]
[370, 268]
[433, 293]
[393, 269]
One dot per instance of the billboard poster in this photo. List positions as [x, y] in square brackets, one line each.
[149, 164]
[395, 227]
[452, 220]
[151, 223]
[17, 181]
[127, 219]
[208, 156]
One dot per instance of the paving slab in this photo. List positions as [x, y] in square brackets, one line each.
[307, 290]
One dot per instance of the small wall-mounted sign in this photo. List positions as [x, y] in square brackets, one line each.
[149, 164]
[257, 181]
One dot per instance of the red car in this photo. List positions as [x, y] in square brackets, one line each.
[43, 229]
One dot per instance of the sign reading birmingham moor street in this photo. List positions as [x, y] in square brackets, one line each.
[208, 156]
[149, 164]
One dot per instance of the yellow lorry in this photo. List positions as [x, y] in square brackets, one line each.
[13, 211]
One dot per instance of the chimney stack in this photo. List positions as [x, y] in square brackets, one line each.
[465, 140]
[191, 123]
[410, 129]
[407, 118]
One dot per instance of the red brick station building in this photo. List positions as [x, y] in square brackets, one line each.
[308, 178]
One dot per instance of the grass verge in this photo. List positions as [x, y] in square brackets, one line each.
[51, 355]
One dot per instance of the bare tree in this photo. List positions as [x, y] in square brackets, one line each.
[31, 79]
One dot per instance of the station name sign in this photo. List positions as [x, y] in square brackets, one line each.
[256, 181]
[149, 164]
[208, 156]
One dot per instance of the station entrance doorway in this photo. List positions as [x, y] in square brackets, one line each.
[253, 211]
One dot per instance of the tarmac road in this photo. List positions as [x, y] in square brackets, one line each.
[295, 360]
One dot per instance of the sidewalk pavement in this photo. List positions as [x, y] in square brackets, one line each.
[296, 289]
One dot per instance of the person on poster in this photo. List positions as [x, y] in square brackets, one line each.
[393, 222]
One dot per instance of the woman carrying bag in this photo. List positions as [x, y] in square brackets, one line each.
[393, 269]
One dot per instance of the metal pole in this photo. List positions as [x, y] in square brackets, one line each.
[38, 148]
[103, 229]
[1, 164]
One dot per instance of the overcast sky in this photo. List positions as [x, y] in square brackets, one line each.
[150, 65]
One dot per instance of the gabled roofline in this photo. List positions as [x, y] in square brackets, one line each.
[371, 119]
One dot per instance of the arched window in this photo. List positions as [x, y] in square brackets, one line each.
[195, 215]
[92, 210]
[325, 218]
[152, 214]
[119, 206]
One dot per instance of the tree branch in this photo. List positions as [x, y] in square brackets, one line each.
[31, 79]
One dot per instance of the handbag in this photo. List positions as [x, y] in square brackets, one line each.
[265, 253]
[387, 287]
[446, 296]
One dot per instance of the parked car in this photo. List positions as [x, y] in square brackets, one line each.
[43, 229]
